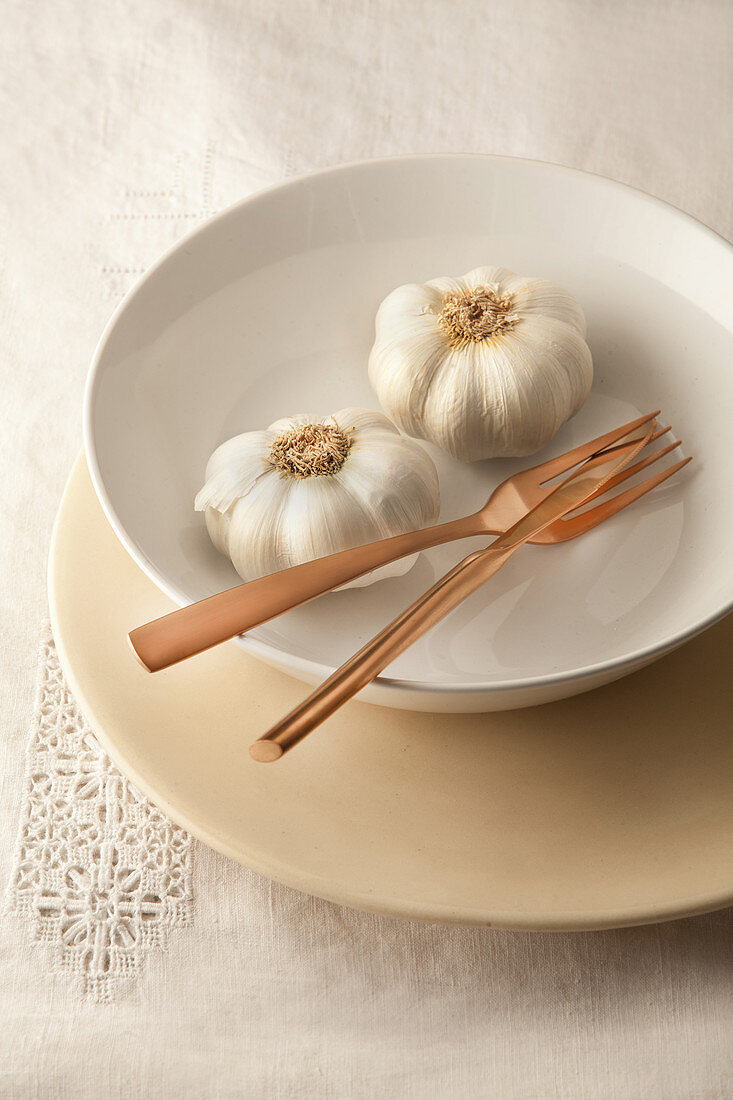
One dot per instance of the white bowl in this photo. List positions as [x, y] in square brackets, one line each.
[268, 309]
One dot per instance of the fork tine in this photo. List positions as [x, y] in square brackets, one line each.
[629, 471]
[566, 461]
[579, 524]
[660, 432]
[654, 436]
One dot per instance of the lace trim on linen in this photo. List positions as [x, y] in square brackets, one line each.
[100, 875]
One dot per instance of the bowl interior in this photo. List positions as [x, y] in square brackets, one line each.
[268, 310]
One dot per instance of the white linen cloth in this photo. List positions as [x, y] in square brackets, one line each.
[122, 125]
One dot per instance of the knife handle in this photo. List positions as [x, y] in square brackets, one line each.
[198, 626]
[361, 669]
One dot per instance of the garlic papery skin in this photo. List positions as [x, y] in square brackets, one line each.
[304, 488]
[488, 365]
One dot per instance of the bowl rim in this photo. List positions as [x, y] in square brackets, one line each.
[315, 669]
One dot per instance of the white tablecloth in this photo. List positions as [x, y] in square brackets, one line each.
[123, 125]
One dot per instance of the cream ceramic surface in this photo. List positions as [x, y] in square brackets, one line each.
[268, 309]
[611, 808]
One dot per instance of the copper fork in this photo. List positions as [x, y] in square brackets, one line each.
[469, 575]
[199, 626]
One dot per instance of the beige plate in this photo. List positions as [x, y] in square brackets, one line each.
[606, 809]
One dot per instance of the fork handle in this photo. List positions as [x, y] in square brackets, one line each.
[198, 626]
[361, 669]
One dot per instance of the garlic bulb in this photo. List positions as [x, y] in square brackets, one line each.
[490, 364]
[304, 488]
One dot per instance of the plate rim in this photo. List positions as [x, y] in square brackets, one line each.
[313, 670]
[570, 920]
